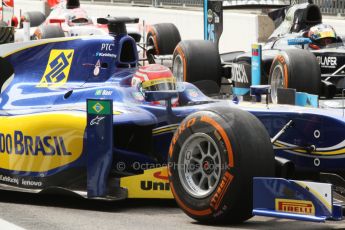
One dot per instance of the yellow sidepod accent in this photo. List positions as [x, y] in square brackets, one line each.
[153, 183]
[41, 142]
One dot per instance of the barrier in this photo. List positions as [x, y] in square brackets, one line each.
[329, 7]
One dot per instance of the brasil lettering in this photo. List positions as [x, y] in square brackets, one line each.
[18, 143]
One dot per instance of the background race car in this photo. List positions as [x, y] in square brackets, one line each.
[65, 18]
[295, 44]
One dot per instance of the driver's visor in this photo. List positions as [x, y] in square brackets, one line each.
[160, 84]
[325, 34]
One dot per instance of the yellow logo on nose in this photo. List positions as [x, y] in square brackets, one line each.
[57, 70]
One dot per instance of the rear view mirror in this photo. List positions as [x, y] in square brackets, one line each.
[298, 41]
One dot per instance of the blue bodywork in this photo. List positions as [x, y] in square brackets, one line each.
[58, 76]
[308, 201]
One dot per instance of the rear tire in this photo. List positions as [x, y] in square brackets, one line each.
[197, 60]
[48, 31]
[162, 38]
[208, 87]
[228, 145]
[295, 68]
[36, 18]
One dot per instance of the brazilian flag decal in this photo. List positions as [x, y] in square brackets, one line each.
[98, 107]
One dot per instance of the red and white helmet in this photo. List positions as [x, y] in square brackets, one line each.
[154, 77]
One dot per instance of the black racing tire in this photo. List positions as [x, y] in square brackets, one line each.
[197, 60]
[48, 31]
[36, 18]
[297, 69]
[245, 151]
[162, 38]
[209, 88]
[6, 33]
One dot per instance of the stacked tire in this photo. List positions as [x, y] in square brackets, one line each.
[6, 33]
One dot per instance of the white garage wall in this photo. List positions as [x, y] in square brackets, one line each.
[240, 29]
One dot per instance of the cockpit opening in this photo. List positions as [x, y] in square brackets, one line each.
[306, 18]
[128, 54]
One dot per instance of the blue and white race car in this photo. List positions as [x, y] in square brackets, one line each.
[302, 52]
[81, 115]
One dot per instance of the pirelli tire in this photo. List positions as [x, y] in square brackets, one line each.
[230, 145]
[197, 60]
[297, 69]
[48, 31]
[161, 39]
[36, 18]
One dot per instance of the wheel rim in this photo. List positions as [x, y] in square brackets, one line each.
[178, 68]
[277, 81]
[150, 42]
[199, 165]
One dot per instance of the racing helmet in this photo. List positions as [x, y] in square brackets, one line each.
[322, 35]
[78, 17]
[154, 77]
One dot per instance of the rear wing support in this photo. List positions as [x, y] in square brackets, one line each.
[213, 13]
[213, 20]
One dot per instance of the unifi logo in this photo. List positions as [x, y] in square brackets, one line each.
[156, 185]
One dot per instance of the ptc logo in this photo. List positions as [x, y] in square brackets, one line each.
[57, 70]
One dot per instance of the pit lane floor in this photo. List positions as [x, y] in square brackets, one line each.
[53, 212]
